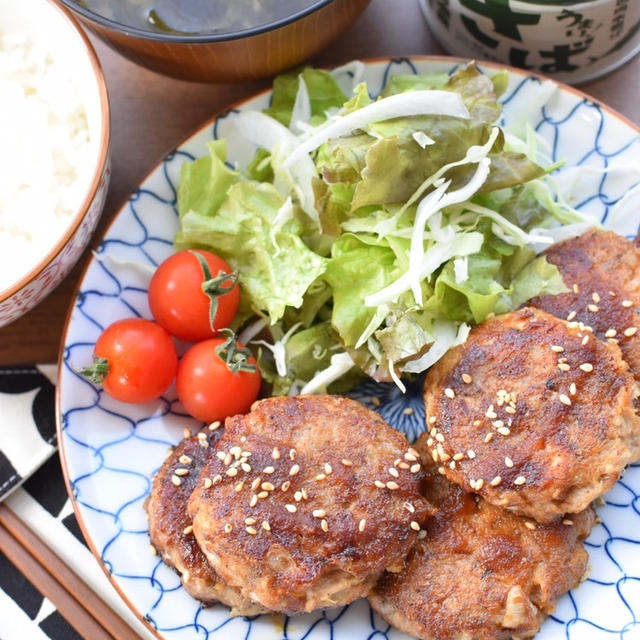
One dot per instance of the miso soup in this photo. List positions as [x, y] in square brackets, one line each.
[195, 17]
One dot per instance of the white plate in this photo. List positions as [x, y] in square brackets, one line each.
[110, 450]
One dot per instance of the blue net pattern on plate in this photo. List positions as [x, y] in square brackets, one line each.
[607, 605]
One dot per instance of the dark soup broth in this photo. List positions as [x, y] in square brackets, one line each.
[195, 17]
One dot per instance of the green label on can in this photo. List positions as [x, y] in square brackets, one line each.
[556, 3]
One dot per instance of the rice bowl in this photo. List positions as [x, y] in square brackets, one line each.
[55, 133]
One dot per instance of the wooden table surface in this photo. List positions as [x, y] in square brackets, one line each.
[151, 114]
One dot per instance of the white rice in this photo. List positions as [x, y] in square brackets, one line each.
[47, 157]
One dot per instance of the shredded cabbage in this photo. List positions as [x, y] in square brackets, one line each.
[463, 244]
[409, 104]
[340, 364]
[446, 336]
[422, 139]
[278, 349]
[461, 269]
[268, 133]
[301, 112]
[370, 234]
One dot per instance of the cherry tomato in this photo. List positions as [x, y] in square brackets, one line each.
[135, 360]
[217, 378]
[193, 294]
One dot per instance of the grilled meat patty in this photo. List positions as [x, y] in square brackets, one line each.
[170, 527]
[311, 498]
[601, 269]
[481, 573]
[533, 413]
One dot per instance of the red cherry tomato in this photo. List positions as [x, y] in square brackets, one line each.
[135, 360]
[193, 294]
[217, 378]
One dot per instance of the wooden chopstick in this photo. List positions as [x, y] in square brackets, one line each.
[85, 611]
[70, 609]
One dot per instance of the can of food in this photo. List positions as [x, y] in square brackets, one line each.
[567, 40]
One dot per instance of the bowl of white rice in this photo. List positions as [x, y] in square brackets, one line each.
[54, 149]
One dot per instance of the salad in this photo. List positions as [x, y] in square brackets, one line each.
[370, 232]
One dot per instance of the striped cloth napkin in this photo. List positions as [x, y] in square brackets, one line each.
[31, 474]
[28, 429]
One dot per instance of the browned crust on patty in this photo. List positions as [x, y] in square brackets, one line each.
[539, 445]
[297, 553]
[608, 265]
[482, 573]
[169, 524]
